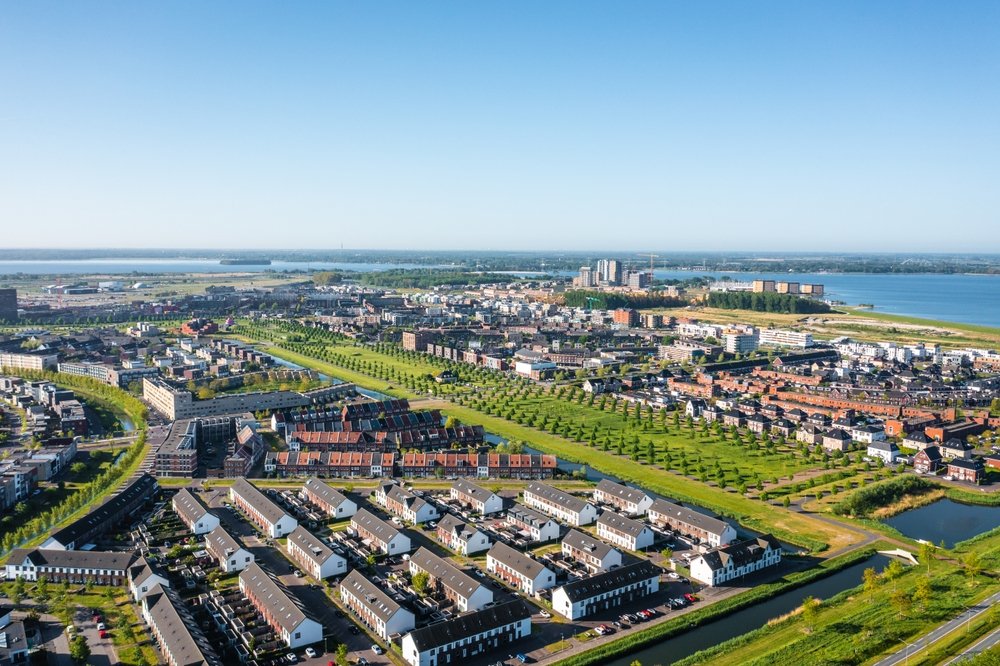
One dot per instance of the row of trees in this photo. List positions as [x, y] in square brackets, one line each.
[601, 300]
[765, 302]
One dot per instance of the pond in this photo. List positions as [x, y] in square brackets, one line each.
[748, 619]
[946, 520]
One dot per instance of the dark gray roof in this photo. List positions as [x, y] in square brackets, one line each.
[528, 516]
[382, 530]
[249, 492]
[622, 524]
[471, 624]
[315, 549]
[689, 516]
[445, 572]
[178, 630]
[220, 543]
[188, 506]
[373, 597]
[85, 559]
[609, 581]
[472, 490]
[556, 496]
[460, 529]
[586, 542]
[634, 495]
[741, 553]
[516, 560]
[330, 495]
[105, 516]
[286, 609]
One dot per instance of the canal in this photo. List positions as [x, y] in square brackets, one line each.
[748, 619]
[946, 520]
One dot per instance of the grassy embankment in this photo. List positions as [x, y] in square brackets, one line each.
[859, 626]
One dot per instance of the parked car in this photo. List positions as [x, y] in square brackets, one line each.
[545, 614]
[690, 597]
[101, 626]
[310, 653]
[291, 658]
[376, 649]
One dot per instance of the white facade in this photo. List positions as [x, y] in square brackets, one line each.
[624, 532]
[728, 563]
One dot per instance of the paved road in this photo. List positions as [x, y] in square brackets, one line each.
[940, 632]
[982, 645]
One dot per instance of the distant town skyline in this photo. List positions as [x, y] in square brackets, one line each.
[565, 126]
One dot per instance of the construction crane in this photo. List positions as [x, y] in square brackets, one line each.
[591, 299]
[651, 257]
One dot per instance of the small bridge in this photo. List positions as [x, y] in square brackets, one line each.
[901, 554]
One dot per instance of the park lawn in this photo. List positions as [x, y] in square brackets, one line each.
[362, 380]
[692, 444]
[857, 626]
[786, 525]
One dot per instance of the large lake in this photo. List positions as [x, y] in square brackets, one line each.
[972, 299]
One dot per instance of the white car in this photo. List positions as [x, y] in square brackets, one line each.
[376, 649]
[545, 614]
[310, 653]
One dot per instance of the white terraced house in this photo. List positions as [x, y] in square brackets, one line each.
[736, 560]
[313, 556]
[380, 534]
[330, 500]
[595, 554]
[464, 637]
[518, 569]
[376, 609]
[227, 551]
[691, 523]
[467, 592]
[405, 505]
[533, 525]
[632, 501]
[476, 498]
[194, 513]
[272, 520]
[624, 532]
[605, 591]
[559, 504]
[284, 613]
[461, 537]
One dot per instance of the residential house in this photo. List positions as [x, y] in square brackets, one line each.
[476, 498]
[227, 551]
[376, 609]
[489, 630]
[175, 631]
[836, 440]
[928, 460]
[970, 471]
[704, 528]
[281, 610]
[466, 592]
[270, 518]
[330, 500]
[313, 556]
[624, 532]
[532, 525]
[519, 570]
[733, 561]
[632, 501]
[884, 450]
[142, 578]
[559, 504]
[74, 566]
[405, 505]
[461, 537]
[604, 591]
[194, 513]
[595, 554]
[379, 534]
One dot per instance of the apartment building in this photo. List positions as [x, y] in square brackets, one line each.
[706, 529]
[345, 464]
[37, 362]
[376, 609]
[466, 592]
[595, 554]
[270, 518]
[519, 570]
[559, 504]
[785, 338]
[280, 609]
[313, 556]
[113, 514]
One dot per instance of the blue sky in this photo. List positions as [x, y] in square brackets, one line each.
[505, 125]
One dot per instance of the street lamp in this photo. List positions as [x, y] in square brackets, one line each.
[907, 654]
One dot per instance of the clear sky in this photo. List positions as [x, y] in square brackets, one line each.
[501, 125]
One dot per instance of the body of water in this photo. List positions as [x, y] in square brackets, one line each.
[148, 266]
[748, 619]
[946, 521]
[970, 299]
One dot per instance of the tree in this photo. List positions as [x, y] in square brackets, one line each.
[926, 554]
[17, 591]
[667, 554]
[42, 589]
[901, 601]
[420, 581]
[451, 422]
[922, 592]
[79, 651]
[894, 570]
[871, 579]
[342, 655]
[78, 468]
[973, 566]
[810, 609]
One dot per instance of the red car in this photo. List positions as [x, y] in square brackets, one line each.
[103, 633]
[690, 597]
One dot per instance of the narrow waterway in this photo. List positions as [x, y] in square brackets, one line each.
[748, 619]
[946, 520]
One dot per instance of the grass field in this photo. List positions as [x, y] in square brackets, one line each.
[859, 626]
